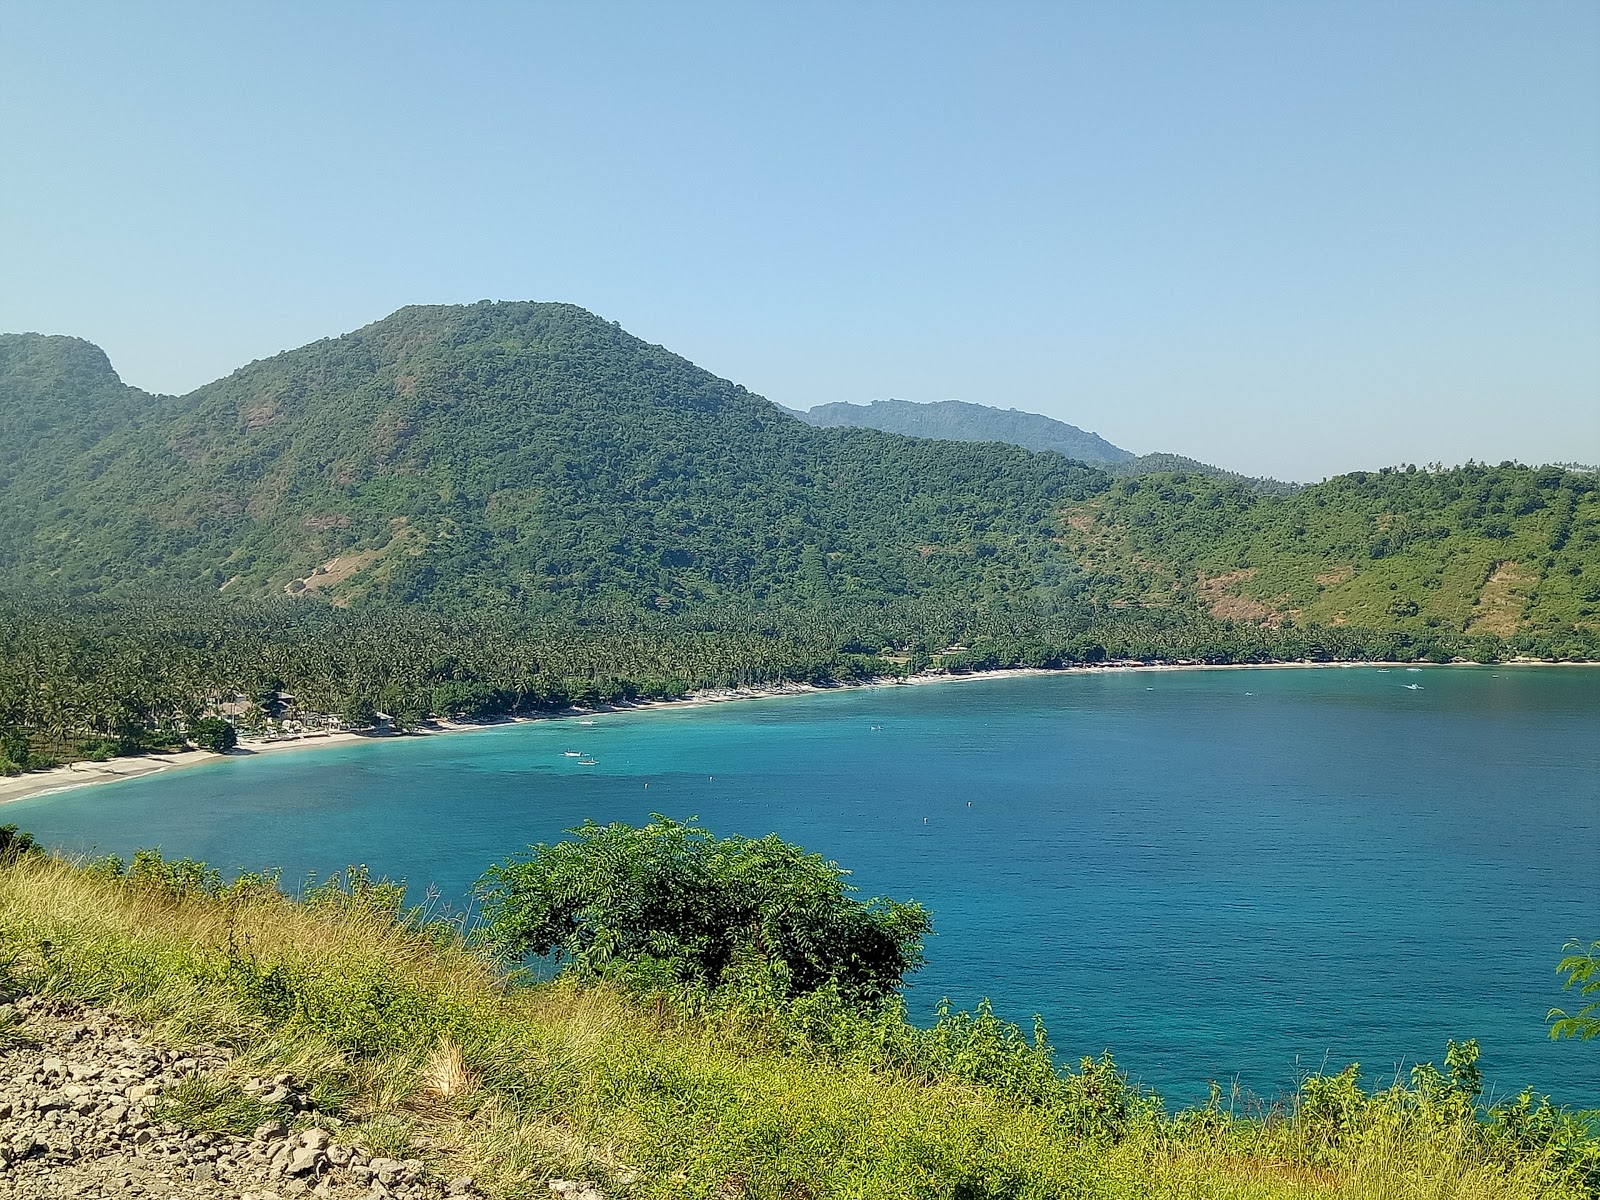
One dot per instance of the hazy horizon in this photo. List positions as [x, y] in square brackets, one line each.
[1290, 241]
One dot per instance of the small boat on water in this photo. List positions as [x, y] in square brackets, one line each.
[587, 762]
[586, 722]
[573, 753]
[1413, 687]
[1413, 668]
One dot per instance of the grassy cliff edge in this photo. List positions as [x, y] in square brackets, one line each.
[412, 1037]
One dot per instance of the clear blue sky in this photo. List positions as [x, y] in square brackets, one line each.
[1291, 238]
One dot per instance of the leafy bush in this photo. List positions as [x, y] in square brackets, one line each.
[671, 898]
[214, 734]
[1582, 969]
[15, 750]
[13, 845]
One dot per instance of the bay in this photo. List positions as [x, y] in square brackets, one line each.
[1240, 875]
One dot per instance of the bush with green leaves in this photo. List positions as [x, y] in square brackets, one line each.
[15, 844]
[215, 734]
[670, 902]
[1582, 969]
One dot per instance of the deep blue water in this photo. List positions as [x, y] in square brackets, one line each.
[1239, 875]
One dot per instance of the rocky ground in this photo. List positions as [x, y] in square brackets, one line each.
[81, 1109]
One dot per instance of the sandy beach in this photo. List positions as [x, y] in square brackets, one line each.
[88, 774]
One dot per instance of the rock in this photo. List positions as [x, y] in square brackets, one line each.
[387, 1171]
[74, 1081]
[318, 1138]
[277, 1095]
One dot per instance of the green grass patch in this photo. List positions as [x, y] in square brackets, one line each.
[739, 1092]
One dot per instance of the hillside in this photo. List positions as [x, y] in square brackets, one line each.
[533, 460]
[398, 1054]
[956, 420]
[1159, 463]
[1485, 552]
[523, 454]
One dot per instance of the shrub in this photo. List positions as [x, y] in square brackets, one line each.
[215, 734]
[668, 897]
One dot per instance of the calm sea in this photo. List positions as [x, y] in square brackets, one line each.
[1231, 875]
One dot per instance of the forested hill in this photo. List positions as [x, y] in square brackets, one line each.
[530, 455]
[534, 459]
[960, 421]
[1474, 553]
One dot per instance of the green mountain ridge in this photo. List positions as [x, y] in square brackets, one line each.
[496, 453]
[534, 458]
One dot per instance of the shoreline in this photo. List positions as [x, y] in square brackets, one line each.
[74, 776]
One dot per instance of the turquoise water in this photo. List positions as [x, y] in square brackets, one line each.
[1239, 875]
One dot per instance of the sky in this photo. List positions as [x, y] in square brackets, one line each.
[1291, 239]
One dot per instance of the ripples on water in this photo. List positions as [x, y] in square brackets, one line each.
[1239, 875]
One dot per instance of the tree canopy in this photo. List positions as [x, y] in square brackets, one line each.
[670, 897]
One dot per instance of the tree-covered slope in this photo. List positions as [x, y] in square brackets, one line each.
[1159, 463]
[957, 420]
[65, 419]
[535, 459]
[1474, 550]
[524, 453]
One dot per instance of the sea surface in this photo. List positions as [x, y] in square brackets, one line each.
[1241, 875]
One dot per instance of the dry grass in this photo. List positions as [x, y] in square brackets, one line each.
[428, 1045]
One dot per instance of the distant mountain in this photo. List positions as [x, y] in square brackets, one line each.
[958, 421]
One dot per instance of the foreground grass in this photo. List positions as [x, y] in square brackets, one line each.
[411, 1039]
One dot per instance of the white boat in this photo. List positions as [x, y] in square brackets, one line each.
[573, 753]
[587, 762]
[1413, 687]
[585, 722]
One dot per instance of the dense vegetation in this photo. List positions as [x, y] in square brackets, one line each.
[409, 1037]
[504, 508]
[1475, 553]
[671, 903]
[519, 455]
